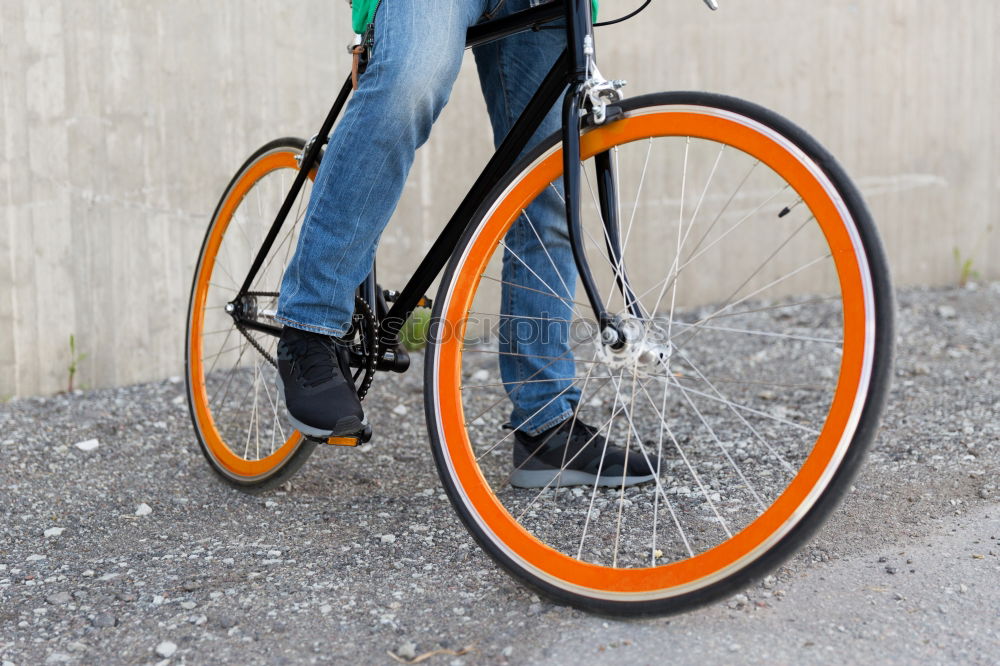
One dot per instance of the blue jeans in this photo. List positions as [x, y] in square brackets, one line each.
[415, 60]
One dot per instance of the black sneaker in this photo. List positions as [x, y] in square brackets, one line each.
[570, 455]
[315, 381]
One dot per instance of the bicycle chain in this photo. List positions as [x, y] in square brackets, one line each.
[256, 345]
[371, 354]
[371, 333]
[253, 342]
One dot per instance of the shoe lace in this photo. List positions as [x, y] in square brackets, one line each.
[584, 435]
[581, 436]
[317, 360]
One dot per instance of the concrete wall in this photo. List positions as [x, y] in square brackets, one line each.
[121, 121]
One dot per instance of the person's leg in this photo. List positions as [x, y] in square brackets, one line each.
[539, 274]
[415, 60]
[417, 54]
[539, 280]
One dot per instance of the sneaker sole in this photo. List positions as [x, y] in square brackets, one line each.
[348, 425]
[539, 478]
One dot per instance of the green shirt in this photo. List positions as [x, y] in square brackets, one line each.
[364, 11]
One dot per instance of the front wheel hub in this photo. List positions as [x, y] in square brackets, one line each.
[642, 352]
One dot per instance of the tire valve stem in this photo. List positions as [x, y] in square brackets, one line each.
[788, 209]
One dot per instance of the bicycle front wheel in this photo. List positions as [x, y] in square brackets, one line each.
[757, 377]
[235, 405]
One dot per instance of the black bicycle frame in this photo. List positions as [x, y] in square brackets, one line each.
[565, 78]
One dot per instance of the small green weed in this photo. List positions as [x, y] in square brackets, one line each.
[74, 360]
[965, 269]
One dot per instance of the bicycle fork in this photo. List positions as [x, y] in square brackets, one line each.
[588, 86]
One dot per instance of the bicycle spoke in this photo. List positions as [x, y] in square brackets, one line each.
[642, 181]
[677, 255]
[569, 292]
[533, 414]
[766, 334]
[238, 222]
[552, 291]
[274, 253]
[234, 284]
[621, 496]
[675, 274]
[725, 207]
[512, 432]
[617, 271]
[231, 373]
[769, 257]
[514, 354]
[758, 382]
[565, 463]
[767, 286]
[686, 390]
[299, 217]
[276, 426]
[253, 423]
[675, 267]
[221, 330]
[690, 468]
[729, 403]
[215, 357]
[536, 372]
[520, 316]
[523, 381]
[600, 466]
[537, 291]
[770, 308]
[656, 497]
[663, 422]
[286, 243]
[722, 448]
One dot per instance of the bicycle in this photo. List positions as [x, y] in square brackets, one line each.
[737, 323]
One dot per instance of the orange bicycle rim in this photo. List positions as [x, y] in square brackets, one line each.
[829, 447]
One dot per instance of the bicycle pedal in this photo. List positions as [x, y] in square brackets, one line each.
[352, 440]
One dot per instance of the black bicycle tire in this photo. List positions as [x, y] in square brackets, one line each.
[870, 415]
[298, 458]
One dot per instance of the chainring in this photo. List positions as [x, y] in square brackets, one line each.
[367, 344]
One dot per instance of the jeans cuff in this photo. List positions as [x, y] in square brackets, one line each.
[551, 423]
[335, 332]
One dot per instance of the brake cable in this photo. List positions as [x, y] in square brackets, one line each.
[623, 18]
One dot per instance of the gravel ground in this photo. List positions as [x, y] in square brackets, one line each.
[133, 552]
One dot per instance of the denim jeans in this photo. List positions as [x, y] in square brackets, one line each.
[416, 57]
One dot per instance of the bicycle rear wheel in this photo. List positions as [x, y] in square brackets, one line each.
[232, 390]
[758, 376]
